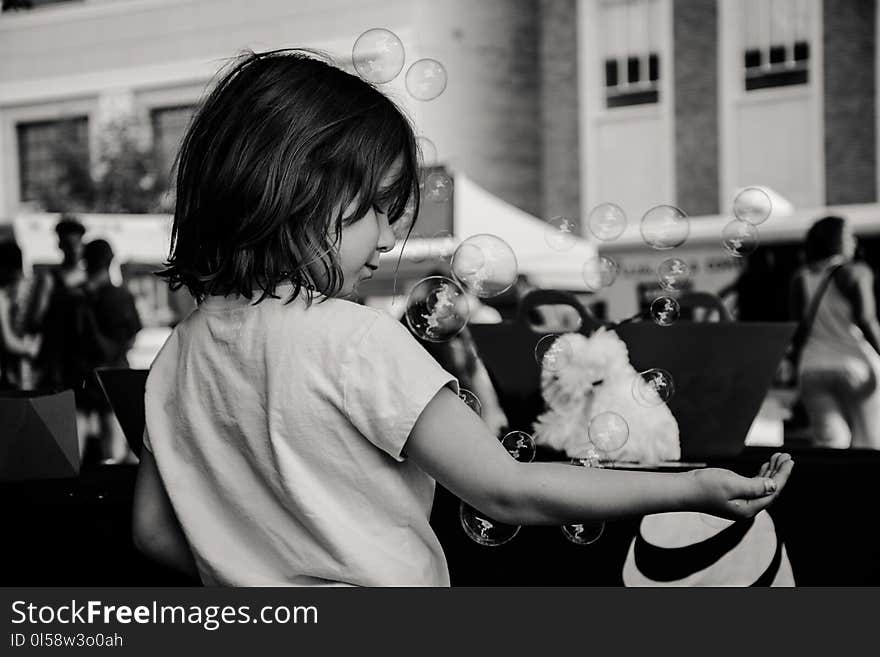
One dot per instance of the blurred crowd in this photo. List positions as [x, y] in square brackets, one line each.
[61, 323]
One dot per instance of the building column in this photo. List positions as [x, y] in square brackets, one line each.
[558, 61]
[849, 63]
[695, 70]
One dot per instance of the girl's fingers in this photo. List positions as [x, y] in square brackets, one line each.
[764, 469]
[782, 460]
[781, 476]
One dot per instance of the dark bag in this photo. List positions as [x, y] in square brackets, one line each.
[799, 340]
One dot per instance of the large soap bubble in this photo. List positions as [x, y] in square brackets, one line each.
[739, 238]
[483, 530]
[552, 353]
[438, 187]
[653, 387]
[485, 265]
[607, 221]
[665, 227]
[378, 55]
[665, 311]
[470, 400]
[560, 233]
[426, 79]
[600, 272]
[608, 431]
[752, 205]
[673, 274]
[437, 309]
[520, 445]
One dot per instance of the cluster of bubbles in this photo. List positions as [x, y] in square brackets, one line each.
[488, 531]
[485, 266]
[584, 533]
[378, 56]
[751, 208]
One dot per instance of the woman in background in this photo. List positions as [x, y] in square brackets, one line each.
[840, 362]
[15, 347]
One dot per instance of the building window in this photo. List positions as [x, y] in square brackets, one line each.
[169, 125]
[52, 154]
[776, 42]
[629, 31]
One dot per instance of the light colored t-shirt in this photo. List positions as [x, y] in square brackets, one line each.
[278, 431]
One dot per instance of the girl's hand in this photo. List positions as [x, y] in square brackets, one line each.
[728, 495]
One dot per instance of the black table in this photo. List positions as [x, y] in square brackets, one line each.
[76, 532]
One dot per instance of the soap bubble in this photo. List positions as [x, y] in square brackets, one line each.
[378, 55]
[404, 222]
[428, 151]
[553, 354]
[483, 530]
[665, 311]
[470, 399]
[438, 187]
[485, 265]
[673, 274]
[584, 533]
[739, 238]
[560, 234]
[426, 79]
[608, 431]
[600, 272]
[607, 221]
[752, 205]
[653, 387]
[665, 227]
[520, 446]
[437, 309]
[443, 244]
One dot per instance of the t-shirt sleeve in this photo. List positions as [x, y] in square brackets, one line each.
[389, 379]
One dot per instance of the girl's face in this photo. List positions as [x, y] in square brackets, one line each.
[361, 244]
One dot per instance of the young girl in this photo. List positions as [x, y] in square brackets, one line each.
[293, 436]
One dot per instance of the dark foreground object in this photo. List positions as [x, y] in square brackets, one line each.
[76, 532]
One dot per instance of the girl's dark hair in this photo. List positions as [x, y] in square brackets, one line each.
[825, 239]
[11, 265]
[273, 158]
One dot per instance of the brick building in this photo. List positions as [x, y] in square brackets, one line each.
[553, 105]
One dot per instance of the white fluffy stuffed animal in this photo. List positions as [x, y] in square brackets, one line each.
[590, 376]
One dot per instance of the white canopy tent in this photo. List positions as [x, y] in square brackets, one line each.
[477, 211]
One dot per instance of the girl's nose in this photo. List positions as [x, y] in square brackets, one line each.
[386, 236]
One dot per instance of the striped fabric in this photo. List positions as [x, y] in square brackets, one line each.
[694, 549]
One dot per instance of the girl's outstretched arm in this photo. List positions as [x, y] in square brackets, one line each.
[155, 528]
[452, 444]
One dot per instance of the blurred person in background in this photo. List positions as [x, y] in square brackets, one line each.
[16, 348]
[107, 322]
[51, 313]
[839, 368]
